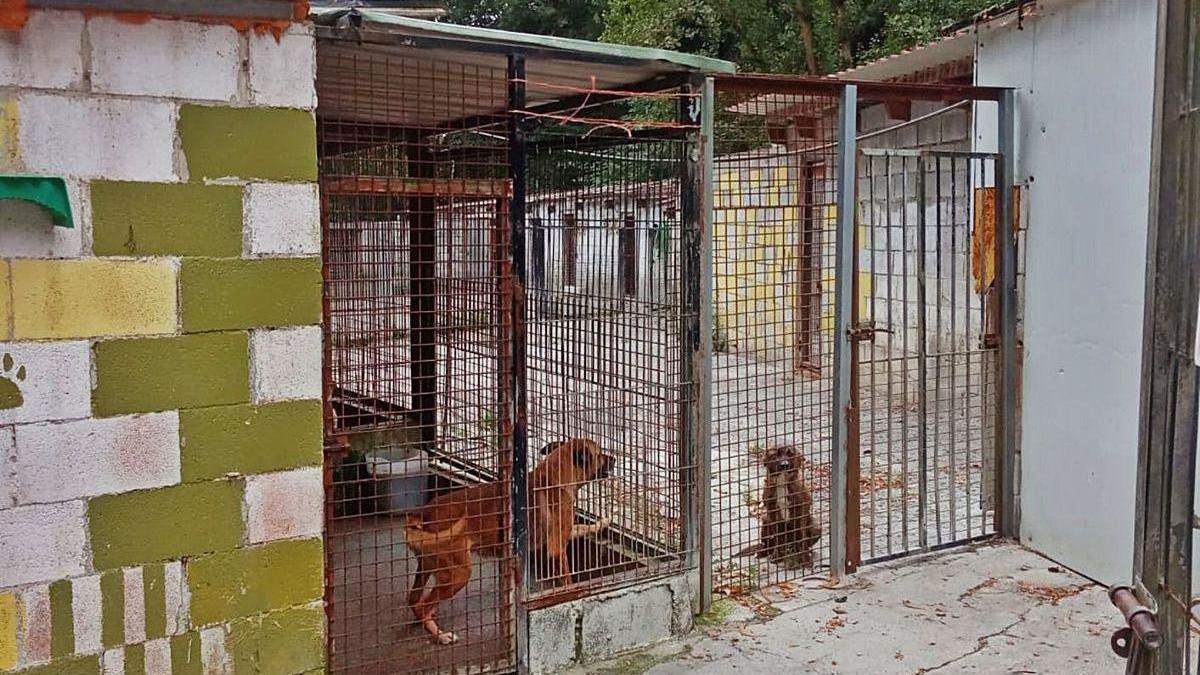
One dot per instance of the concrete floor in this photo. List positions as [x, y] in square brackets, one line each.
[991, 608]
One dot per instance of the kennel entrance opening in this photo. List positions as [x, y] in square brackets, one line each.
[802, 267]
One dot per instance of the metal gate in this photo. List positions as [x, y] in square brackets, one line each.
[862, 347]
[925, 363]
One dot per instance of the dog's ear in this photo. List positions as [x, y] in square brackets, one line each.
[550, 447]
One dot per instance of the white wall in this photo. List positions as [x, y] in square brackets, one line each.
[1084, 116]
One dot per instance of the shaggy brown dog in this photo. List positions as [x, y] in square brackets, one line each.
[446, 531]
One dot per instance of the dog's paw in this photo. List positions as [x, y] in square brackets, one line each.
[447, 638]
[603, 524]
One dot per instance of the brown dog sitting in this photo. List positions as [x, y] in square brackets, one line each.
[788, 532]
[446, 531]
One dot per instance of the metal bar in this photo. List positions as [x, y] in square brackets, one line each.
[1006, 273]
[922, 368]
[937, 344]
[423, 297]
[518, 480]
[702, 371]
[1168, 417]
[876, 91]
[243, 9]
[408, 187]
[844, 307]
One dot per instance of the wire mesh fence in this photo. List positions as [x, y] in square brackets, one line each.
[418, 289]
[604, 338]
[774, 239]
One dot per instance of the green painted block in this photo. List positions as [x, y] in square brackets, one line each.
[62, 619]
[152, 374]
[144, 219]
[262, 143]
[135, 659]
[87, 665]
[285, 642]
[229, 293]
[185, 654]
[167, 523]
[154, 587]
[112, 608]
[252, 580]
[249, 439]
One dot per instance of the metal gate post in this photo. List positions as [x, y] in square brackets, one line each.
[1162, 558]
[1008, 511]
[847, 209]
[517, 478]
[695, 182]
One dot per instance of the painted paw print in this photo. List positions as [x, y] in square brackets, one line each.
[10, 385]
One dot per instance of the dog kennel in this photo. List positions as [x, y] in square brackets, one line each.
[517, 253]
[510, 260]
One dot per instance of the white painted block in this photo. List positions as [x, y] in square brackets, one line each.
[178, 59]
[285, 364]
[47, 53]
[283, 73]
[176, 598]
[85, 458]
[42, 543]
[87, 610]
[284, 505]
[35, 638]
[214, 657]
[113, 662]
[7, 450]
[27, 231]
[283, 219]
[158, 657]
[53, 378]
[135, 605]
[117, 139]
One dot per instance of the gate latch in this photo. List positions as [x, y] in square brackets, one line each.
[1139, 620]
[864, 331]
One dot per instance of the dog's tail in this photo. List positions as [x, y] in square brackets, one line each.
[423, 540]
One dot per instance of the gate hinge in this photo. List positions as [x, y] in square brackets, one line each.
[864, 331]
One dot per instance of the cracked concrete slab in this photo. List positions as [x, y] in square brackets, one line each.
[990, 608]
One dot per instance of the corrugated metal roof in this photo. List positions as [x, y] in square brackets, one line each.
[582, 50]
[957, 42]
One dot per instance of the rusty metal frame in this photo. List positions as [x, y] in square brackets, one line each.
[1164, 520]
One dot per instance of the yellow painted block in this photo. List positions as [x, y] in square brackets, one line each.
[791, 214]
[827, 320]
[92, 298]
[864, 294]
[756, 180]
[781, 175]
[5, 302]
[10, 136]
[10, 624]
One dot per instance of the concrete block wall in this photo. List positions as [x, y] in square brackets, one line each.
[160, 421]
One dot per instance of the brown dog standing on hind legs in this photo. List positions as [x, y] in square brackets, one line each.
[788, 532]
[446, 531]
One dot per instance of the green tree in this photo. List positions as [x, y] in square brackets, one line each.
[581, 19]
